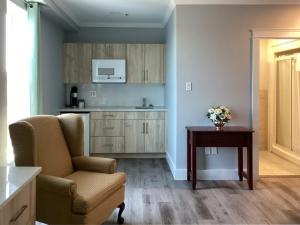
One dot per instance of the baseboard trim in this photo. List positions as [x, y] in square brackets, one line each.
[130, 155]
[211, 174]
[290, 156]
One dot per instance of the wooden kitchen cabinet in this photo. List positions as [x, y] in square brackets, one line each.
[107, 128]
[107, 145]
[146, 63]
[109, 51]
[155, 136]
[134, 136]
[135, 63]
[77, 63]
[154, 63]
[144, 132]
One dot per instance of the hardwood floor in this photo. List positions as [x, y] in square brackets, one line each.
[153, 197]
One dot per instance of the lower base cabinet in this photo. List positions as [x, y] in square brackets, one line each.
[107, 145]
[129, 132]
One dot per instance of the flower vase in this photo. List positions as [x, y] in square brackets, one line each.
[219, 125]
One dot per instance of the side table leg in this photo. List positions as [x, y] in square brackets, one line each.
[240, 163]
[188, 157]
[250, 163]
[194, 163]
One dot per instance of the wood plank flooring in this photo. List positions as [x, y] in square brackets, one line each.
[153, 197]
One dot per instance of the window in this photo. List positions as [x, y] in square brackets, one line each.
[17, 59]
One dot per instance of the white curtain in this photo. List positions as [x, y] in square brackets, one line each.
[3, 101]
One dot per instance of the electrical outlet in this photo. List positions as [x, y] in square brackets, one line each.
[188, 86]
[93, 94]
[214, 150]
[207, 150]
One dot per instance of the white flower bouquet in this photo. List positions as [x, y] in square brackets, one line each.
[219, 115]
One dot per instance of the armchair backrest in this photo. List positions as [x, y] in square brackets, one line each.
[48, 141]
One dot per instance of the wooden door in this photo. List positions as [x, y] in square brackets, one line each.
[155, 136]
[134, 136]
[135, 63]
[84, 63]
[154, 63]
[71, 75]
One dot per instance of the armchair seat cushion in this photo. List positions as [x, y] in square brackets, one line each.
[93, 188]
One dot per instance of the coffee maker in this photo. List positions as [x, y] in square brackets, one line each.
[74, 97]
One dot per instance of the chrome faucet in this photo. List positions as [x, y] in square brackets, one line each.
[144, 102]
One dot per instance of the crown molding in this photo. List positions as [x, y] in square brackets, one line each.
[59, 9]
[236, 2]
[169, 11]
[120, 25]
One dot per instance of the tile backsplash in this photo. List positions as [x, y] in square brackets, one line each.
[118, 94]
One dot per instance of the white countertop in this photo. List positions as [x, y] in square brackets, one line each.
[112, 108]
[12, 179]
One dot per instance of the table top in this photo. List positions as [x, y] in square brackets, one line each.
[226, 129]
[13, 179]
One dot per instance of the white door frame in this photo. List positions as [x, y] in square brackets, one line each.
[256, 35]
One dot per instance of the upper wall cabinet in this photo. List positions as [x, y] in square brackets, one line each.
[109, 51]
[77, 63]
[146, 63]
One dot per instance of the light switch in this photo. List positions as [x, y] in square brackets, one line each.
[188, 86]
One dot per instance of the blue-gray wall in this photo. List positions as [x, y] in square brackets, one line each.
[171, 89]
[51, 69]
[213, 52]
[117, 35]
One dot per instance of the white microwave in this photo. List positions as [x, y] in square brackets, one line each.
[108, 71]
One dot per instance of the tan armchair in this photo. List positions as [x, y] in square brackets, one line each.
[72, 189]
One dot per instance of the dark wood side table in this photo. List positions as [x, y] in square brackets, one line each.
[229, 137]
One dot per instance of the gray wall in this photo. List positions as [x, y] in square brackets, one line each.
[171, 87]
[213, 51]
[117, 35]
[3, 125]
[51, 66]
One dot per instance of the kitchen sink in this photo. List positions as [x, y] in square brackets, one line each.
[144, 107]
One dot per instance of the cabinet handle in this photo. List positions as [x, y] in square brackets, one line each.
[109, 115]
[108, 128]
[19, 213]
[146, 128]
[143, 128]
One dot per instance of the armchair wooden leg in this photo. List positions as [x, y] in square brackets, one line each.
[121, 209]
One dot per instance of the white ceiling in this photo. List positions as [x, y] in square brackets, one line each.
[117, 13]
[133, 13]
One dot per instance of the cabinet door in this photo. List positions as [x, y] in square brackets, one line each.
[154, 63]
[99, 51]
[135, 63]
[134, 136]
[84, 63]
[116, 51]
[71, 74]
[155, 136]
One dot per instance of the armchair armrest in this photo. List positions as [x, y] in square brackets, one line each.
[54, 199]
[56, 185]
[97, 164]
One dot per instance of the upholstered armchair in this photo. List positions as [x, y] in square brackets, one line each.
[72, 188]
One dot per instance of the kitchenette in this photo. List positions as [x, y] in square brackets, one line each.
[119, 90]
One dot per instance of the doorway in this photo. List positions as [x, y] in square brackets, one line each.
[279, 107]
